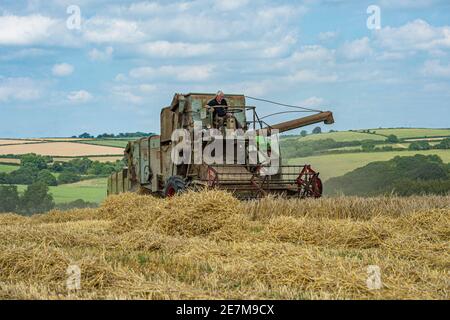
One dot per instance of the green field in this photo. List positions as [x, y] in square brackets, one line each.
[413, 133]
[335, 165]
[5, 168]
[342, 136]
[108, 143]
[89, 190]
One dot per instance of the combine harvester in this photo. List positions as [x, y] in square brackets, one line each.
[151, 169]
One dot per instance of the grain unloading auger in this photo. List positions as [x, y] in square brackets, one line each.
[152, 169]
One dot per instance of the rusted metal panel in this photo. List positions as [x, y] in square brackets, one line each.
[167, 125]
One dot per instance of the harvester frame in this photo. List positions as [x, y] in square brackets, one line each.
[151, 169]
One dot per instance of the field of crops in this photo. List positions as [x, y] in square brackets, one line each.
[68, 149]
[343, 136]
[5, 168]
[109, 143]
[414, 133]
[13, 141]
[335, 165]
[89, 190]
[211, 246]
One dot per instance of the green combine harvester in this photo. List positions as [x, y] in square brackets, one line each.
[151, 169]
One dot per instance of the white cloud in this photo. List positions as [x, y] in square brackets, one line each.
[180, 73]
[99, 55]
[25, 30]
[326, 36]
[79, 96]
[416, 35]
[19, 89]
[167, 49]
[434, 68]
[312, 53]
[407, 3]
[312, 102]
[147, 88]
[109, 30]
[357, 49]
[126, 94]
[62, 70]
[312, 76]
[230, 5]
[120, 77]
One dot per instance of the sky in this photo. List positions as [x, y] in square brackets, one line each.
[113, 69]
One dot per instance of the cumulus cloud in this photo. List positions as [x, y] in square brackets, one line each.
[179, 73]
[230, 5]
[167, 49]
[24, 30]
[328, 35]
[19, 89]
[312, 76]
[415, 35]
[62, 70]
[101, 55]
[357, 49]
[80, 96]
[408, 3]
[434, 68]
[110, 30]
[312, 102]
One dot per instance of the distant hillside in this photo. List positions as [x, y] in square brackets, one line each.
[404, 176]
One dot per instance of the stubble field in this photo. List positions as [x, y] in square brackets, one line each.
[211, 246]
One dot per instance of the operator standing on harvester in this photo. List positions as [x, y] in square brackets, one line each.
[220, 106]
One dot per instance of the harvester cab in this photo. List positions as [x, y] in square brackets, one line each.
[189, 153]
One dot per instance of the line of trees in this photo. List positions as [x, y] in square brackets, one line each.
[138, 134]
[425, 145]
[35, 168]
[35, 199]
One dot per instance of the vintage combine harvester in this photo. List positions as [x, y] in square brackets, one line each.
[151, 169]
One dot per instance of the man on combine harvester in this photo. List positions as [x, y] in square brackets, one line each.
[220, 106]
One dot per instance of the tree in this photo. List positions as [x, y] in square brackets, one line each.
[304, 133]
[68, 177]
[419, 145]
[368, 146]
[34, 161]
[444, 144]
[317, 130]
[4, 178]
[85, 136]
[9, 199]
[392, 139]
[47, 177]
[36, 199]
[24, 175]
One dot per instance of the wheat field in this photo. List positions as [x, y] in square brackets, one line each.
[64, 149]
[211, 246]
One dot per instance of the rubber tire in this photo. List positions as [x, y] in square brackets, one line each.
[174, 185]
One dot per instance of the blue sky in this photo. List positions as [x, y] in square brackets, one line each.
[128, 59]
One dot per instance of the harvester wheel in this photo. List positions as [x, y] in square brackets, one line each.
[317, 187]
[174, 186]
